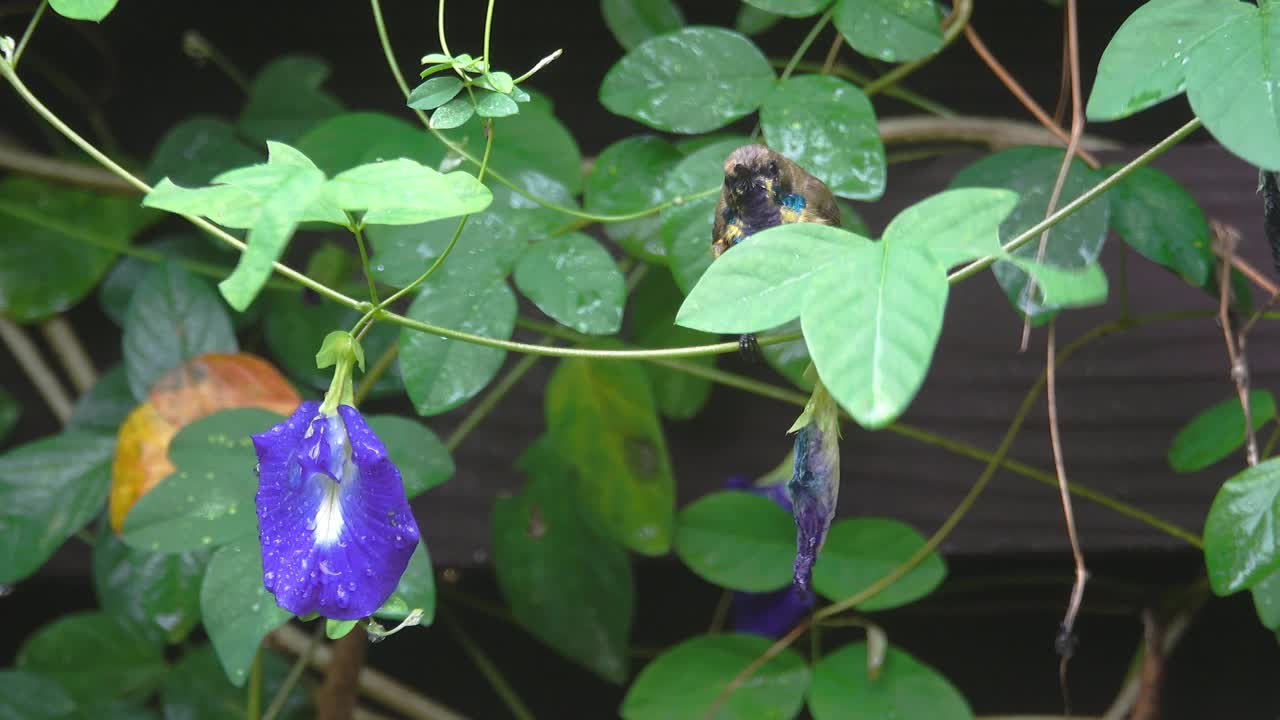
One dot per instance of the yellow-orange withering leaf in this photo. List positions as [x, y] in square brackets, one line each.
[205, 385]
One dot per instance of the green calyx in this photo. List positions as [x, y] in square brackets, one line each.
[341, 350]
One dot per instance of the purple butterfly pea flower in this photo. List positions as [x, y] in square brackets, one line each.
[814, 486]
[335, 526]
[769, 614]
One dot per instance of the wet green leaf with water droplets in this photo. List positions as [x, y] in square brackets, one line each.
[238, 611]
[844, 688]
[197, 689]
[423, 460]
[160, 592]
[628, 177]
[209, 499]
[890, 30]
[1242, 531]
[575, 281]
[95, 656]
[634, 21]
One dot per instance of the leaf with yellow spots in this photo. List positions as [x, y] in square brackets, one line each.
[206, 384]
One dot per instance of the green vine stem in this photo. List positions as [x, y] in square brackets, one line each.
[487, 668]
[253, 703]
[805, 44]
[31, 28]
[956, 23]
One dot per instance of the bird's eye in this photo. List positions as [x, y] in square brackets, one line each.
[740, 170]
[773, 168]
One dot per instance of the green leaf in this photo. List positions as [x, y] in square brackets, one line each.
[238, 611]
[890, 30]
[1061, 288]
[32, 696]
[197, 150]
[763, 281]
[860, 551]
[1266, 600]
[9, 412]
[404, 192]
[94, 10]
[192, 252]
[285, 99]
[791, 8]
[105, 406]
[440, 374]
[160, 592]
[59, 242]
[423, 460]
[1146, 61]
[495, 105]
[845, 688]
[627, 177]
[435, 92]
[575, 281]
[209, 499]
[1242, 531]
[1215, 433]
[634, 21]
[828, 127]
[1157, 217]
[338, 629]
[357, 138]
[566, 583]
[667, 82]
[294, 186]
[737, 540]
[197, 689]
[415, 591]
[223, 204]
[871, 321]
[686, 228]
[752, 20]
[1232, 80]
[173, 317]
[954, 226]
[1074, 243]
[453, 113]
[679, 395]
[684, 682]
[49, 489]
[95, 657]
[790, 359]
[602, 416]
[114, 710]
[525, 146]
[498, 82]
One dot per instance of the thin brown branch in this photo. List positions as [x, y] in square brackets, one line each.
[67, 171]
[336, 698]
[1225, 240]
[832, 53]
[995, 133]
[42, 377]
[71, 354]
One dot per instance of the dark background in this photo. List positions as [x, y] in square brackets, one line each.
[991, 627]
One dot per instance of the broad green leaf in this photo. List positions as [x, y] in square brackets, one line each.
[844, 688]
[94, 10]
[566, 583]
[95, 657]
[890, 30]
[634, 21]
[225, 205]
[654, 302]
[345, 141]
[105, 406]
[498, 82]
[404, 192]
[434, 92]
[1232, 83]
[575, 281]
[1157, 217]
[193, 253]
[237, 610]
[690, 81]
[871, 321]
[197, 150]
[209, 499]
[1215, 433]
[684, 682]
[59, 242]
[9, 412]
[173, 317]
[763, 281]
[827, 126]
[954, 226]
[860, 551]
[157, 591]
[49, 489]
[686, 228]
[423, 460]
[495, 105]
[1073, 243]
[415, 591]
[1242, 531]
[112, 710]
[1062, 288]
[1146, 61]
[285, 99]
[627, 177]
[440, 374]
[197, 689]
[32, 696]
[602, 417]
[791, 8]
[533, 149]
[293, 188]
[751, 20]
[453, 113]
[737, 540]
[1266, 600]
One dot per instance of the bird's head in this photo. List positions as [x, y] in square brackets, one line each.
[751, 177]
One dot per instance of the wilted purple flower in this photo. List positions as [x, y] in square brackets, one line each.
[814, 486]
[335, 526]
[770, 614]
